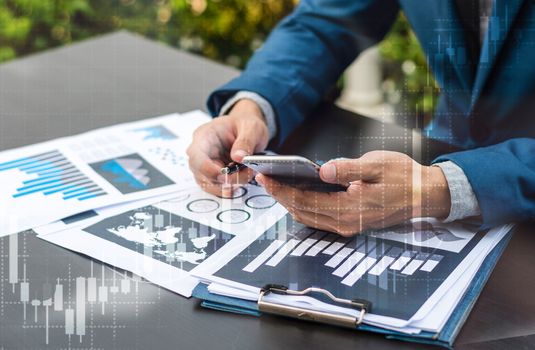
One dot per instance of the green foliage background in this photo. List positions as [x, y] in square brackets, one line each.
[225, 30]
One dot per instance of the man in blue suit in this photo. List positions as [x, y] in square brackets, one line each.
[482, 53]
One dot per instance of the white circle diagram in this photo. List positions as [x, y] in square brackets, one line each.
[233, 216]
[260, 201]
[204, 205]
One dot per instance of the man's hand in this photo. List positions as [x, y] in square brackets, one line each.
[227, 138]
[385, 188]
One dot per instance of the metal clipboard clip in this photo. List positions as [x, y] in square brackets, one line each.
[361, 305]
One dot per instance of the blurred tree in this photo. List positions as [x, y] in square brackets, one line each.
[225, 30]
[31, 25]
[228, 30]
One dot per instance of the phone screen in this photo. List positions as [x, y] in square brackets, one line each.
[295, 171]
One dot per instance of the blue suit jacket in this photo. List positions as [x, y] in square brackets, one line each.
[488, 108]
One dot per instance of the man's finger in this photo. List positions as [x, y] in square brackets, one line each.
[216, 189]
[346, 171]
[324, 222]
[314, 220]
[293, 197]
[207, 185]
[233, 181]
[240, 178]
[250, 139]
[200, 163]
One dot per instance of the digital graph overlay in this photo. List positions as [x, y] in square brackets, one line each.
[51, 173]
[396, 276]
[75, 306]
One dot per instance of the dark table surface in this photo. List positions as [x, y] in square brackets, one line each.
[122, 77]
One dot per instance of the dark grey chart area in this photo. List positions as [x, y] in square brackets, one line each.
[396, 277]
[162, 235]
[56, 299]
[131, 173]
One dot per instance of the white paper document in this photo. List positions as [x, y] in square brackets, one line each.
[46, 182]
[164, 241]
[414, 273]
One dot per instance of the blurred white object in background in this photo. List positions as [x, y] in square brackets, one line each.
[362, 91]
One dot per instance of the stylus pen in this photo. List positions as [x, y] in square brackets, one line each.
[232, 167]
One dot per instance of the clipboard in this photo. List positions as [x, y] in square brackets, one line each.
[362, 305]
[444, 338]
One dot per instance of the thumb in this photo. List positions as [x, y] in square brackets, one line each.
[347, 170]
[248, 141]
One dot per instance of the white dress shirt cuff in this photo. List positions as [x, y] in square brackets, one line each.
[265, 107]
[463, 200]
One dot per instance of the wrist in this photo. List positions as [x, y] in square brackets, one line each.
[436, 200]
[248, 108]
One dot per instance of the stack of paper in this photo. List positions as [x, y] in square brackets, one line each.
[50, 181]
[124, 195]
[165, 240]
[414, 274]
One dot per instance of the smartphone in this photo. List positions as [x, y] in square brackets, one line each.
[295, 171]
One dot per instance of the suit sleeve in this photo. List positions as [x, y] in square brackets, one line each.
[503, 179]
[306, 53]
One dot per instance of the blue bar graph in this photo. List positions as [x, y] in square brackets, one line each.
[55, 171]
[51, 177]
[40, 164]
[69, 185]
[80, 189]
[27, 160]
[52, 173]
[91, 195]
[47, 165]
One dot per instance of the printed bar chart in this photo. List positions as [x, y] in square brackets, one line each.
[307, 243]
[283, 252]
[385, 261]
[351, 259]
[431, 263]
[52, 173]
[333, 248]
[415, 264]
[266, 254]
[396, 268]
[402, 260]
[373, 254]
[339, 257]
[319, 246]
[354, 258]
